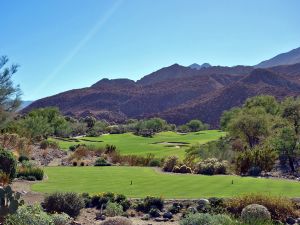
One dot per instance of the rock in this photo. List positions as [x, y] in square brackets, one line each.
[192, 210]
[146, 217]
[158, 219]
[75, 223]
[100, 216]
[203, 202]
[290, 220]
[168, 215]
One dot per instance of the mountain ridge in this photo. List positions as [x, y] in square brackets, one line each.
[176, 93]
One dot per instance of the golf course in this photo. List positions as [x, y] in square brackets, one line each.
[151, 182]
[161, 144]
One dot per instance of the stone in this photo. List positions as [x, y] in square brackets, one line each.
[203, 202]
[146, 217]
[290, 220]
[158, 219]
[100, 216]
[168, 215]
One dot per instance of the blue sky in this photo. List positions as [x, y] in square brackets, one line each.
[67, 44]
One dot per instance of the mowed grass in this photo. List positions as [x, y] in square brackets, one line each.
[148, 181]
[160, 145]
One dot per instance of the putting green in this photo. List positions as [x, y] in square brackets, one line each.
[148, 181]
[161, 144]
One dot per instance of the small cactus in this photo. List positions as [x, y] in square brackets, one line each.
[9, 201]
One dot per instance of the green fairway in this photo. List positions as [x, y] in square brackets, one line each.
[147, 181]
[162, 144]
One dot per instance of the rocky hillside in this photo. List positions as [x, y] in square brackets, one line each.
[176, 93]
[288, 58]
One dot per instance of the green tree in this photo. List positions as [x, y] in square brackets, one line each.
[196, 125]
[36, 128]
[287, 144]
[9, 94]
[291, 112]
[251, 126]
[267, 102]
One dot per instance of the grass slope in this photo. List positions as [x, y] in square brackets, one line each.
[147, 181]
[129, 144]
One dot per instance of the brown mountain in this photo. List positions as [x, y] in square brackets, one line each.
[209, 108]
[176, 93]
[288, 58]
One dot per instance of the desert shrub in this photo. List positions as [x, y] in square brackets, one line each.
[176, 169]
[33, 215]
[207, 219]
[149, 203]
[102, 162]
[110, 149]
[255, 212]
[35, 172]
[170, 163]
[182, 169]
[113, 209]
[185, 169]
[8, 163]
[44, 144]
[117, 221]
[101, 200]
[23, 158]
[30, 178]
[279, 207]
[123, 201]
[211, 166]
[131, 160]
[72, 148]
[262, 157]
[60, 219]
[69, 203]
[87, 199]
[155, 163]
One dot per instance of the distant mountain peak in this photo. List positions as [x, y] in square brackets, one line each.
[198, 67]
[287, 58]
[121, 82]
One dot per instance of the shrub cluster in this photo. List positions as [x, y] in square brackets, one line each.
[182, 169]
[113, 209]
[69, 203]
[44, 144]
[102, 162]
[31, 173]
[170, 163]
[131, 160]
[207, 219]
[100, 201]
[34, 215]
[149, 203]
[279, 207]
[211, 166]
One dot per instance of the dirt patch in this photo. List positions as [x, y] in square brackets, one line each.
[28, 196]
